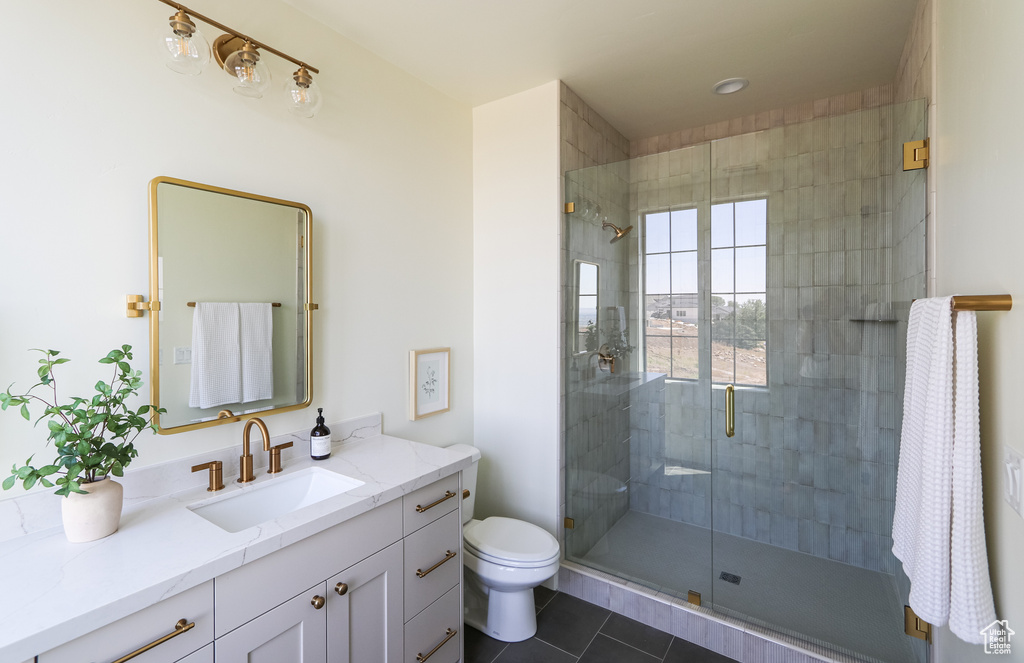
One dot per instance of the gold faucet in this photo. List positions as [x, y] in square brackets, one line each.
[245, 474]
[605, 359]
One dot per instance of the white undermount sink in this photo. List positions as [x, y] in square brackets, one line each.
[273, 498]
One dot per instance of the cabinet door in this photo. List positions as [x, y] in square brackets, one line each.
[295, 631]
[364, 610]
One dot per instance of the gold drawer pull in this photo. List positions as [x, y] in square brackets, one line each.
[448, 555]
[447, 496]
[179, 628]
[448, 635]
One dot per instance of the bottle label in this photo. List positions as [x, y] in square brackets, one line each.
[320, 445]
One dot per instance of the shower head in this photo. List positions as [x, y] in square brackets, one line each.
[619, 233]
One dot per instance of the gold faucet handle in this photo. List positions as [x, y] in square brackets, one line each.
[275, 457]
[216, 468]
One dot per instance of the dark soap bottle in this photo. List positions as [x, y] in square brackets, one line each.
[320, 438]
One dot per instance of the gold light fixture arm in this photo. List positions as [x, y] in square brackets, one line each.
[221, 26]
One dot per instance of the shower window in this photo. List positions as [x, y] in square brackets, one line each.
[739, 327]
[738, 292]
[671, 293]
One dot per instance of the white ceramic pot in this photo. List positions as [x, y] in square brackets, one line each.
[95, 515]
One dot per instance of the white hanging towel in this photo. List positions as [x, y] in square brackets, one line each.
[257, 334]
[971, 605]
[216, 356]
[939, 456]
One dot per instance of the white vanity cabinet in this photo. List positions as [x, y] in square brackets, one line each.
[386, 560]
[285, 603]
[433, 572]
[181, 625]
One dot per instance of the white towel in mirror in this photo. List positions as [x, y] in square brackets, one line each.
[216, 355]
[256, 325]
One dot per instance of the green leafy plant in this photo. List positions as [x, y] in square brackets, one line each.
[93, 436]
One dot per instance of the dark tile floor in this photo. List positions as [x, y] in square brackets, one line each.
[570, 630]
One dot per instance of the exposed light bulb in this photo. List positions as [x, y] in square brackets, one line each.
[302, 94]
[252, 74]
[184, 49]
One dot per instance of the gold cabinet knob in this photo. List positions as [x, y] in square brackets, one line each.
[318, 602]
[341, 588]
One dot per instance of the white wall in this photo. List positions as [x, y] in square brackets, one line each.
[90, 115]
[516, 217]
[977, 157]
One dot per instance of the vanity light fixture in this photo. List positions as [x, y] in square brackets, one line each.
[730, 85]
[186, 51]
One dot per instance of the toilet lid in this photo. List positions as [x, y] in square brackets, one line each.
[510, 539]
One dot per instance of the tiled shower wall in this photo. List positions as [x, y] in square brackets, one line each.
[812, 467]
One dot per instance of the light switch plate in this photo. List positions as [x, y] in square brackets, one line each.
[183, 355]
[1013, 475]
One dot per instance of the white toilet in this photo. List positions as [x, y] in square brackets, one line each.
[505, 559]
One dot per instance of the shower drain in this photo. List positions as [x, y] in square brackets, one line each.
[729, 577]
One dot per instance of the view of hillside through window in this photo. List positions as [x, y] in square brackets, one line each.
[735, 294]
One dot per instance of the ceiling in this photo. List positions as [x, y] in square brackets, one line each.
[647, 66]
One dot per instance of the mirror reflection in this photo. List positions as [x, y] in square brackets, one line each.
[231, 273]
[587, 307]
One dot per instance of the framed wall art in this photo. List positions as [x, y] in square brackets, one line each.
[429, 382]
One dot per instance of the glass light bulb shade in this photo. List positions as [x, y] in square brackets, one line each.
[253, 76]
[184, 54]
[302, 101]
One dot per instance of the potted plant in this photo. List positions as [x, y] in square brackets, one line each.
[94, 438]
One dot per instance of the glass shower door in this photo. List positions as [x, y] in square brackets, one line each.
[816, 244]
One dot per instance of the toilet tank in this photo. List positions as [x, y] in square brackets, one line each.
[468, 479]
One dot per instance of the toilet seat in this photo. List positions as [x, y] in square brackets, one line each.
[510, 542]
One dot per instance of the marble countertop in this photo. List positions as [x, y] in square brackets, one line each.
[55, 591]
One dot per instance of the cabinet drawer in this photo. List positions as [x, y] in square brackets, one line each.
[431, 629]
[433, 562]
[429, 503]
[193, 606]
[251, 590]
[204, 655]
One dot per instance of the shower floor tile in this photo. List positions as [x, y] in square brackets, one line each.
[816, 599]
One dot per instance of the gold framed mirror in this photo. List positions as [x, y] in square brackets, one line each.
[230, 337]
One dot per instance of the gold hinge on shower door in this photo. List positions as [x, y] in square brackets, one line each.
[915, 626]
[693, 597]
[915, 154]
[569, 523]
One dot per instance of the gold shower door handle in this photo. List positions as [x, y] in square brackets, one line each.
[730, 411]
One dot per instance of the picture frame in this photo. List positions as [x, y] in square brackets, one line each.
[429, 382]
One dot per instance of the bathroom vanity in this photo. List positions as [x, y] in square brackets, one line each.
[370, 574]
